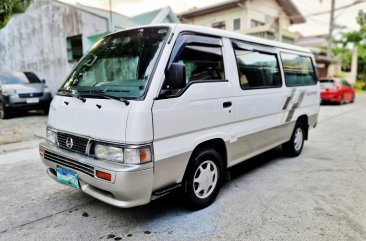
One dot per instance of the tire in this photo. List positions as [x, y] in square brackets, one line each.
[46, 110]
[341, 101]
[203, 178]
[4, 113]
[353, 98]
[294, 146]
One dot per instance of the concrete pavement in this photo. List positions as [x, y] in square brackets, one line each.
[319, 195]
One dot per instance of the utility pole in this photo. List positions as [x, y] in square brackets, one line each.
[278, 27]
[111, 29]
[331, 27]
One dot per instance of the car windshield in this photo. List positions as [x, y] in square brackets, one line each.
[12, 78]
[119, 65]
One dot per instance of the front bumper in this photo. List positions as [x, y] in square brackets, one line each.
[131, 185]
[16, 103]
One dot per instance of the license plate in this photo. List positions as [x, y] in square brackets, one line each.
[32, 100]
[67, 177]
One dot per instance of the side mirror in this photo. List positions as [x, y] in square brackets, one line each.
[43, 81]
[176, 76]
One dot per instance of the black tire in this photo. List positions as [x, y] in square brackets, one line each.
[353, 98]
[46, 110]
[207, 164]
[294, 146]
[341, 102]
[4, 113]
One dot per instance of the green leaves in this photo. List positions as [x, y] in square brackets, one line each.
[10, 7]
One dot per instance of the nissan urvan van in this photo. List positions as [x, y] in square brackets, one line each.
[151, 109]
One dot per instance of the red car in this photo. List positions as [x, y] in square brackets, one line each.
[336, 90]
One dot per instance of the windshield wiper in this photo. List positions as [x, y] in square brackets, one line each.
[102, 93]
[72, 94]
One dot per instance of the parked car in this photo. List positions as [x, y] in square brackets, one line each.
[22, 91]
[336, 90]
[156, 108]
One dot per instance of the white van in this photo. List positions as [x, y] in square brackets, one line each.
[151, 109]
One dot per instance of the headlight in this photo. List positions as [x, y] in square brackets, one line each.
[51, 136]
[136, 155]
[46, 90]
[9, 92]
[110, 153]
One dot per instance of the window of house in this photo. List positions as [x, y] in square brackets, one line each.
[255, 23]
[202, 63]
[74, 48]
[299, 70]
[236, 23]
[219, 25]
[257, 69]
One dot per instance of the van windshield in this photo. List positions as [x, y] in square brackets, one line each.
[119, 65]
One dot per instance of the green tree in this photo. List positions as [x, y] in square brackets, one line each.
[352, 39]
[10, 7]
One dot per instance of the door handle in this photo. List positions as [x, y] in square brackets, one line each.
[227, 104]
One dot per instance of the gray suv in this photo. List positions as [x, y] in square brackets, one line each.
[22, 91]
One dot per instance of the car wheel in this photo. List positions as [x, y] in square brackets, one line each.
[295, 145]
[341, 101]
[4, 113]
[46, 110]
[353, 98]
[203, 178]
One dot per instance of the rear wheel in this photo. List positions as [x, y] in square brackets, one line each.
[353, 98]
[341, 101]
[294, 146]
[4, 113]
[203, 178]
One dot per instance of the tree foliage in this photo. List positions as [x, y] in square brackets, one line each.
[10, 7]
[348, 40]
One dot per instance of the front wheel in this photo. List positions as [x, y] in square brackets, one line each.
[294, 146]
[203, 178]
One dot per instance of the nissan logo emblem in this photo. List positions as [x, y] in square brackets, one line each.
[69, 142]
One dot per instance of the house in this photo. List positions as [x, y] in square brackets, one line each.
[51, 36]
[268, 19]
[326, 66]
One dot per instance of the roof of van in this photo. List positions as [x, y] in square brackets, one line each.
[228, 34]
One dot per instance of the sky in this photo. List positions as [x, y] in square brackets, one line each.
[314, 25]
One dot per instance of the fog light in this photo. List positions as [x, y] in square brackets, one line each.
[103, 175]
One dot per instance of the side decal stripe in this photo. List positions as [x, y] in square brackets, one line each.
[289, 99]
[294, 107]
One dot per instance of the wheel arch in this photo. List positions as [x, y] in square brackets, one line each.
[218, 144]
[305, 120]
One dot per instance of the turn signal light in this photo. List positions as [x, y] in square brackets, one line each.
[103, 175]
[41, 152]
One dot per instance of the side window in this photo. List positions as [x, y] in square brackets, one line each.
[298, 69]
[202, 63]
[257, 69]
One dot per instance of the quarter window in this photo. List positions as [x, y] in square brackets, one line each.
[299, 70]
[257, 69]
[202, 63]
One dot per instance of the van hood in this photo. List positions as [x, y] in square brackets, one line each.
[107, 123]
[25, 88]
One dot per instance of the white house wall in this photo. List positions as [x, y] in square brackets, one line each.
[36, 40]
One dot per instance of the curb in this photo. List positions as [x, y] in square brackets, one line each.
[20, 145]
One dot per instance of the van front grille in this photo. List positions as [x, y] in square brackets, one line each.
[72, 142]
[30, 95]
[67, 162]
